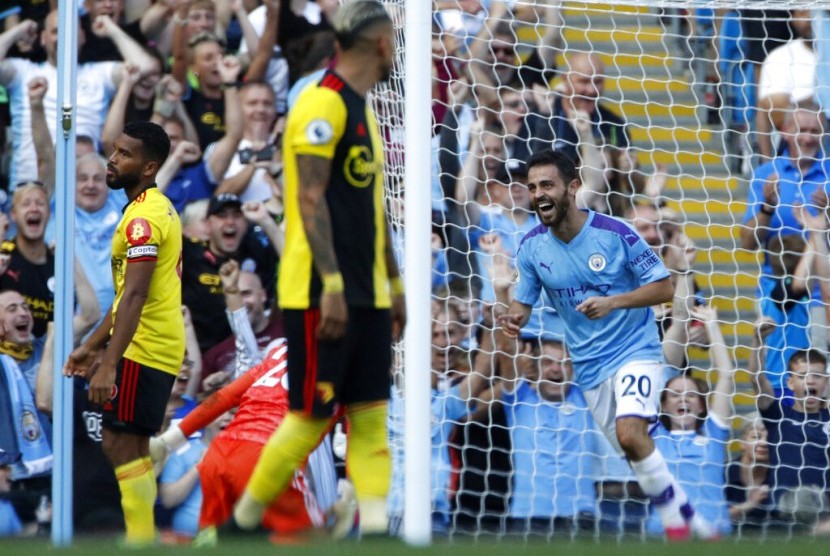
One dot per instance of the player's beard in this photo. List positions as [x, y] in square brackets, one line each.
[117, 181]
[560, 210]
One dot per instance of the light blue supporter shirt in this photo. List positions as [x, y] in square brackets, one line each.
[511, 233]
[93, 244]
[447, 410]
[607, 257]
[698, 462]
[9, 522]
[186, 514]
[794, 188]
[555, 454]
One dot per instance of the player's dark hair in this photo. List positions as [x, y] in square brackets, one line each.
[155, 145]
[562, 162]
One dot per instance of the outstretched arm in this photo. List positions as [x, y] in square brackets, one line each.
[764, 393]
[130, 50]
[551, 42]
[679, 255]
[205, 413]
[25, 31]
[485, 88]
[114, 124]
[721, 404]
[265, 45]
[44, 148]
[225, 149]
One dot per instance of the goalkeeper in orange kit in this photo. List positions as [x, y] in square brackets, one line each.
[261, 395]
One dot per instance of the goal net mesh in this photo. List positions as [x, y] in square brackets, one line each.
[700, 124]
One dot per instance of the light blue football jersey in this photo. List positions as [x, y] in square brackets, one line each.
[555, 454]
[607, 257]
[697, 461]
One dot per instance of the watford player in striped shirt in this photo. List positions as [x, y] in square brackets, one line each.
[131, 360]
[338, 285]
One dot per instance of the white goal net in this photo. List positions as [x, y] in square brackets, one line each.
[701, 124]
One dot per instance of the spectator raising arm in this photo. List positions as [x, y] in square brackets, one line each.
[469, 180]
[223, 151]
[44, 148]
[761, 386]
[678, 256]
[255, 212]
[25, 31]
[104, 26]
[594, 191]
[185, 153]
[154, 19]
[179, 47]
[114, 123]
[264, 48]
[168, 104]
[550, 44]
[481, 57]
[721, 402]
[249, 34]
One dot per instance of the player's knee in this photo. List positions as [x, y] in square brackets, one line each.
[632, 434]
[120, 448]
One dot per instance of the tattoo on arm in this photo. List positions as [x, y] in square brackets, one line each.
[314, 173]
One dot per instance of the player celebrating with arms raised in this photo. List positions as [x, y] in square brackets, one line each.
[133, 357]
[602, 279]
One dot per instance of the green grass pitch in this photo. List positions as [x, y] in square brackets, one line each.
[483, 547]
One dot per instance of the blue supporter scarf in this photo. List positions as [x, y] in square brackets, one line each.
[34, 456]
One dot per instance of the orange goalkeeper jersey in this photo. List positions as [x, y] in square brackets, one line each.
[262, 397]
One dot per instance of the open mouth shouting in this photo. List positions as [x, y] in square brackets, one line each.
[546, 209]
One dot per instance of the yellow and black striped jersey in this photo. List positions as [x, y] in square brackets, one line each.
[150, 230]
[332, 121]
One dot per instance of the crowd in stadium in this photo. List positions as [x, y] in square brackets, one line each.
[515, 449]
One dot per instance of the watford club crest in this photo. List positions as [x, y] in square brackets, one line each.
[138, 231]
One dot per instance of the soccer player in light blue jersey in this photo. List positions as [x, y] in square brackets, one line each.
[602, 279]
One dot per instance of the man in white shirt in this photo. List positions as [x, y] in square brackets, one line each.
[788, 77]
[96, 83]
[250, 175]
